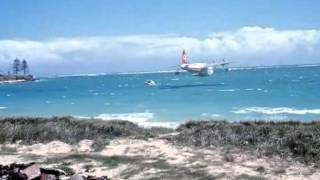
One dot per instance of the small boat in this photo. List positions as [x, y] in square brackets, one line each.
[150, 83]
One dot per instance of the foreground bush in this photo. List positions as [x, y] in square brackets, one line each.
[287, 139]
[68, 129]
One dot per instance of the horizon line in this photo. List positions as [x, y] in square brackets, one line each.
[173, 71]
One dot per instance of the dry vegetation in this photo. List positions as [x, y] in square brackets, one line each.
[297, 140]
[69, 130]
[290, 139]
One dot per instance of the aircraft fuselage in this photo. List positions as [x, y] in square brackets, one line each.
[201, 69]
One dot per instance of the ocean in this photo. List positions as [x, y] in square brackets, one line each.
[279, 93]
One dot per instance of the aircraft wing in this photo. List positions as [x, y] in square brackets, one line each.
[222, 63]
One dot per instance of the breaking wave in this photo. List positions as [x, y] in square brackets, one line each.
[142, 119]
[277, 110]
[228, 90]
[159, 124]
[274, 66]
[133, 117]
[148, 72]
[2, 107]
[83, 75]
[112, 73]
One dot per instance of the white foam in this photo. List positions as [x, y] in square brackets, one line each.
[82, 117]
[277, 110]
[308, 65]
[12, 81]
[210, 115]
[111, 73]
[252, 89]
[274, 66]
[215, 115]
[40, 80]
[81, 75]
[2, 107]
[204, 114]
[132, 117]
[228, 90]
[148, 72]
[159, 124]
[142, 119]
[268, 117]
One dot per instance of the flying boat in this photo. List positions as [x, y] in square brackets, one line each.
[200, 69]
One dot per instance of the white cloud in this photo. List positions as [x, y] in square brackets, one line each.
[246, 46]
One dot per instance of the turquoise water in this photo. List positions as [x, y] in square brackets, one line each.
[240, 94]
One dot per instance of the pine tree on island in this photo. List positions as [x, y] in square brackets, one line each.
[25, 67]
[16, 66]
[20, 66]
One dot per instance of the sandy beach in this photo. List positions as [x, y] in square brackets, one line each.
[155, 158]
[12, 81]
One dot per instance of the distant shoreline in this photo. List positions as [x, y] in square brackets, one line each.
[173, 71]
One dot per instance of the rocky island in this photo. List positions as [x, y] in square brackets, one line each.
[15, 78]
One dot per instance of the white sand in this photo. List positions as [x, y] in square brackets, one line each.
[154, 158]
[13, 81]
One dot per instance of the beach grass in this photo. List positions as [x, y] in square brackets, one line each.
[292, 140]
[30, 130]
[287, 139]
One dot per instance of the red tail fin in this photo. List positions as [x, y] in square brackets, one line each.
[184, 57]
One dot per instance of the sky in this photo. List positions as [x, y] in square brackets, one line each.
[97, 36]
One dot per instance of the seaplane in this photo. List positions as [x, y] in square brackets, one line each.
[199, 69]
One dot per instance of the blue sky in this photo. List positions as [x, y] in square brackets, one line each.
[68, 18]
[37, 24]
